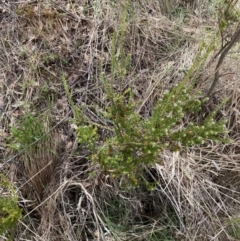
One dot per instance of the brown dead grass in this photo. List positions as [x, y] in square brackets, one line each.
[197, 190]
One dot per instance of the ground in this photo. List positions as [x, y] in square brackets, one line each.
[54, 57]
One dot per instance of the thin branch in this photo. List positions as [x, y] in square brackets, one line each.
[235, 38]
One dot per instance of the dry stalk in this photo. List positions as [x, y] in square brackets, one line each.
[41, 163]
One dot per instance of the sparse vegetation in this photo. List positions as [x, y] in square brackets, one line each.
[9, 210]
[137, 142]
[106, 131]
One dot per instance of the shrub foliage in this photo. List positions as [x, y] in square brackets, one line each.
[10, 213]
[137, 142]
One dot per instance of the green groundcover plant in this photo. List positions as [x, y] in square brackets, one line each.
[136, 142]
[10, 213]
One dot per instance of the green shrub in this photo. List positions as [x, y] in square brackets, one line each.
[137, 142]
[27, 132]
[10, 213]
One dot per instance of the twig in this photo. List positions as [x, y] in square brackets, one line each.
[235, 38]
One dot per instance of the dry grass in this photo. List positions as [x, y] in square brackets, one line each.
[197, 190]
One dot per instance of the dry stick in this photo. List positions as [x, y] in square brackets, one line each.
[220, 61]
